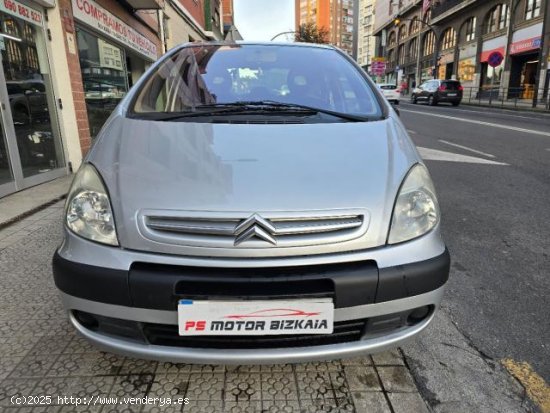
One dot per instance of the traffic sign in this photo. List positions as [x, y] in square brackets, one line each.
[495, 59]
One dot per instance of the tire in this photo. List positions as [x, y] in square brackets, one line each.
[396, 102]
[431, 101]
[413, 99]
[455, 103]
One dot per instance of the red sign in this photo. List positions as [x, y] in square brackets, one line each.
[495, 59]
[525, 45]
[485, 54]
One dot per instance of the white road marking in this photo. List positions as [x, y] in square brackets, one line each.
[509, 113]
[436, 155]
[488, 155]
[411, 132]
[478, 122]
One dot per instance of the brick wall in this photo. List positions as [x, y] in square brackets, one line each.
[65, 9]
[195, 9]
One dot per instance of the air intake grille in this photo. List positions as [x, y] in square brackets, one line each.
[254, 231]
[167, 335]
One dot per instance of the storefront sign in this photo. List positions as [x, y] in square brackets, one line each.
[20, 10]
[525, 45]
[92, 14]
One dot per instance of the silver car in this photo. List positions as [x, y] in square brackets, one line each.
[252, 203]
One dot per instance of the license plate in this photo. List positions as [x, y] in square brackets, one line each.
[451, 94]
[255, 318]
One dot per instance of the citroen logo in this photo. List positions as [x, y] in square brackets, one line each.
[255, 227]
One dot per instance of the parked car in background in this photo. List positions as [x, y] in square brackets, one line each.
[28, 101]
[437, 91]
[252, 203]
[390, 92]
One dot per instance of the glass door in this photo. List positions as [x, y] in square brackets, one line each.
[6, 176]
[31, 102]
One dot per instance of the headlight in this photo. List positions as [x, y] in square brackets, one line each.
[88, 210]
[416, 209]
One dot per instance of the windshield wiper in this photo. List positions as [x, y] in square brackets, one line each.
[252, 106]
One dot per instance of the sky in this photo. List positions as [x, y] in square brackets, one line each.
[263, 19]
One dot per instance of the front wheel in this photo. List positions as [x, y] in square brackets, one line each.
[431, 101]
[455, 103]
[413, 100]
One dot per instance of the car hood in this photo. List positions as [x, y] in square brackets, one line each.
[181, 169]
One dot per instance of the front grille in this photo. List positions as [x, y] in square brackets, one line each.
[245, 230]
[167, 335]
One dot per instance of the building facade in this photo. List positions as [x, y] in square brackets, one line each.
[66, 64]
[365, 41]
[453, 39]
[337, 16]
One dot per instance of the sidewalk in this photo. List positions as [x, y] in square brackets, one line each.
[21, 204]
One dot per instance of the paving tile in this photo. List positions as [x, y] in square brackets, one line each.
[278, 406]
[33, 366]
[15, 387]
[204, 406]
[86, 365]
[211, 386]
[388, 358]
[357, 361]
[132, 385]
[166, 367]
[362, 378]
[138, 366]
[278, 386]
[321, 385]
[334, 365]
[242, 387]
[396, 379]
[243, 407]
[407, 402]
[8, 364]
[371, 402]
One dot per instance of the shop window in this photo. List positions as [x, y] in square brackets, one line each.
[497, 18]
[449, 39]
[471, 29]
[532, 9]
[104, 77]
[429, 44]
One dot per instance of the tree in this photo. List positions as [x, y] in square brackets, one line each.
[310, 33]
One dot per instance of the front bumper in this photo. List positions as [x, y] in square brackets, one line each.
[140, 288]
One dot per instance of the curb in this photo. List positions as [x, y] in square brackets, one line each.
[30, 212]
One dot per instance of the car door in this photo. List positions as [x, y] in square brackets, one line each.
[422, 93]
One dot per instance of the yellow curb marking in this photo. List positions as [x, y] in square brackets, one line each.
[536, 387]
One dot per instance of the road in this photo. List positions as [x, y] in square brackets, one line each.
[492, 172]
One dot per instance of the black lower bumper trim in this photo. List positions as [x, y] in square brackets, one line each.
[159, 287]
[412, 279]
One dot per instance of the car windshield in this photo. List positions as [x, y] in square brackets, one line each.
[201, 76]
